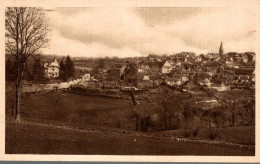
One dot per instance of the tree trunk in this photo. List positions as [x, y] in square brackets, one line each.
[136, 125]
[123, 122]
[170, 121]
[165, 120]
[13, 106]
[17, 104]
[252, 115]
[17, 86]
[17, 92]
[253, 108]
[233, 115]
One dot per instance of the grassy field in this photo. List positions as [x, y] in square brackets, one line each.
[99, 125]
[25, 138]
[77, 110]
[227, 134]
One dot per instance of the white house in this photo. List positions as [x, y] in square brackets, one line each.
[221, 88]
[166, 68]
[198, 59]
[86, 77]
[184, 78]
[253, 76]
[173, 81]
[146, 77]
[52, 69]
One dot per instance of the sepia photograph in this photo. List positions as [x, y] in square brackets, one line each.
[154, 81]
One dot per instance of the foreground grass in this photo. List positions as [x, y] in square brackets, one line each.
[24, 138]
[244, 135]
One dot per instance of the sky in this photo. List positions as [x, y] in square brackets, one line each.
[131, 32]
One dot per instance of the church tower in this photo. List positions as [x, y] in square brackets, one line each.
[221, 51]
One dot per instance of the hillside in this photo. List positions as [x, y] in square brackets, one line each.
[35, 138]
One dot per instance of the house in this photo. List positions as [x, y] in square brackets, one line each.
[245, 75]
[173, 64]
[184, 78]
[150, 66]
[198, 59]
[145, 84]
[208, 56]
[241, 71]
[222, 87]
[184, 57]
[142, 81]
[113, 74]
[172, 81]
[203, 78]
[52, 69]
[216, 56]
[86, 77]
[176, 79]
[229, 63]
[253, 76]
[122, 70]
[130, 72]
[166, 67]
[146, 77]
[116, 67]
[156, 79]
[144, 65]
[244, 58]
[232, 55]
[250, 56]
[155, 67]
[211, 67]
[188, 65]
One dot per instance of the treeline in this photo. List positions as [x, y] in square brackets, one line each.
[183, 111]
[67, 69]
[34, 69]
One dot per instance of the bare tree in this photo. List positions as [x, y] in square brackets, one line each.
[26, 32]
[249, 105]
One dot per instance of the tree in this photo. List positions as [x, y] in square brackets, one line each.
[38, 69]
[26, 32]
[250, 107]
[221, 51]
[62, 70]
[172, 109]
[69, 69]
[101, 65]
[10, 72]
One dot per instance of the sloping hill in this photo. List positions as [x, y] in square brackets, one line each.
[76, 109]
[27, 138]
[38, 106]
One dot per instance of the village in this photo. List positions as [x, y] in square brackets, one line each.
[210, 82]
[182, 95]
[217, 71]
[203, 84]
[183, 71]
[90, 81]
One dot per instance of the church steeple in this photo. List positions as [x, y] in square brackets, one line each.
[221, 51]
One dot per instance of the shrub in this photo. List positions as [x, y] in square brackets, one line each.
[186, 133]
[213, 132]
[195, 131]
